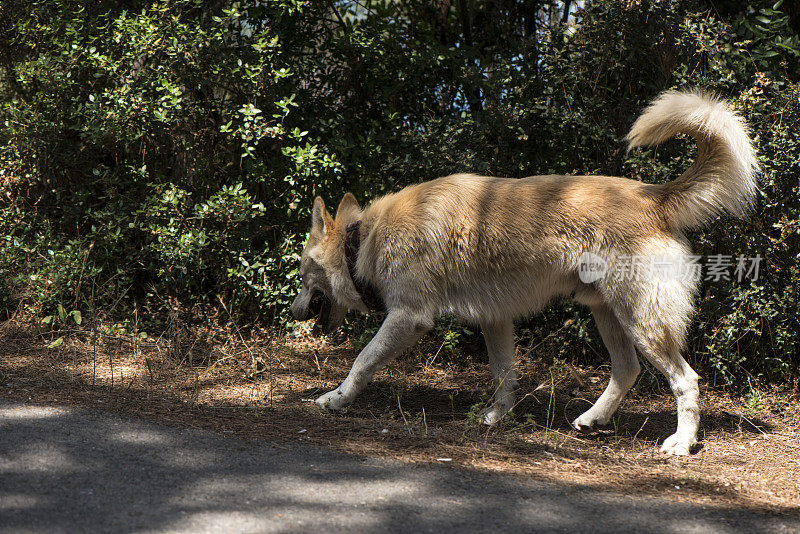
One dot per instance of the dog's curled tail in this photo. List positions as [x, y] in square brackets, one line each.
[722, 178]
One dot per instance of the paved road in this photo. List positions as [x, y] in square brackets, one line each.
[69, 470]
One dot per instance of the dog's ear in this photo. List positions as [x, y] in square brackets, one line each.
[321, 220]
[348, 208]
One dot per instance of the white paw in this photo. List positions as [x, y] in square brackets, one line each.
[588, 422]
[494, 413]
[677, 445]
[333, 400]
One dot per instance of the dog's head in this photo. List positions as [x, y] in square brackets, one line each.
[324, 293]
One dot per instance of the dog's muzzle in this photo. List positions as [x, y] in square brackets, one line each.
[319, 306]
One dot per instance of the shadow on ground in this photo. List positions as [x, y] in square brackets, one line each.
[68, 470]
[158, 478]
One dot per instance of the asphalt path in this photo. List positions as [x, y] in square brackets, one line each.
[71, 470]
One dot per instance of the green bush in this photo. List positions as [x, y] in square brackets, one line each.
[155, 152]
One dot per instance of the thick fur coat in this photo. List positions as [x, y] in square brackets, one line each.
[491, 250]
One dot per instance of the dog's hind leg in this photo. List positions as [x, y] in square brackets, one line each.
[399, 331]
[683, 382]
[500, 346]
[624, 369]
[658, 324]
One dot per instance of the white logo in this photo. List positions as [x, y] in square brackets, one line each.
[591, 267]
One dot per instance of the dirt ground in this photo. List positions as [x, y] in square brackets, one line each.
[423, 408]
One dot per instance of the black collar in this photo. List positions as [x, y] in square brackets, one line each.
[352, 243]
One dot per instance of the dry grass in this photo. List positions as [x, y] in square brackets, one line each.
[417, 410]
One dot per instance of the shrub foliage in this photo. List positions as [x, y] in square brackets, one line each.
[168, 151]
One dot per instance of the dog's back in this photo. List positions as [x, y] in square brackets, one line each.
[476, 245]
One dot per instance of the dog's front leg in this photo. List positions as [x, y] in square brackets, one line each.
[499, 338]
[399, 330]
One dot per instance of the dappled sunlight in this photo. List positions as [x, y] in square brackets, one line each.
[38, 458]
[39, 412]
[415, 411]
[140, 437]
[13, 501]
[252, 486]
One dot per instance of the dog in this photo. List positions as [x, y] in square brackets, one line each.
[491, 250]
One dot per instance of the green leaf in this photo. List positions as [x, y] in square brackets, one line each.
[57, 343]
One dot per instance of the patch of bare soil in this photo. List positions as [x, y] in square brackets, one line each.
[423, 408]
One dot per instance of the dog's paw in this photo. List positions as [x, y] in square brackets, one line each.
[493, 414]
[333, 400]
[677, 445]
[588, 422]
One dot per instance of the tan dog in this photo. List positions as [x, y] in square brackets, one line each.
[490, 250]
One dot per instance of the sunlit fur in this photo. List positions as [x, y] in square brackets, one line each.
[491, 250]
